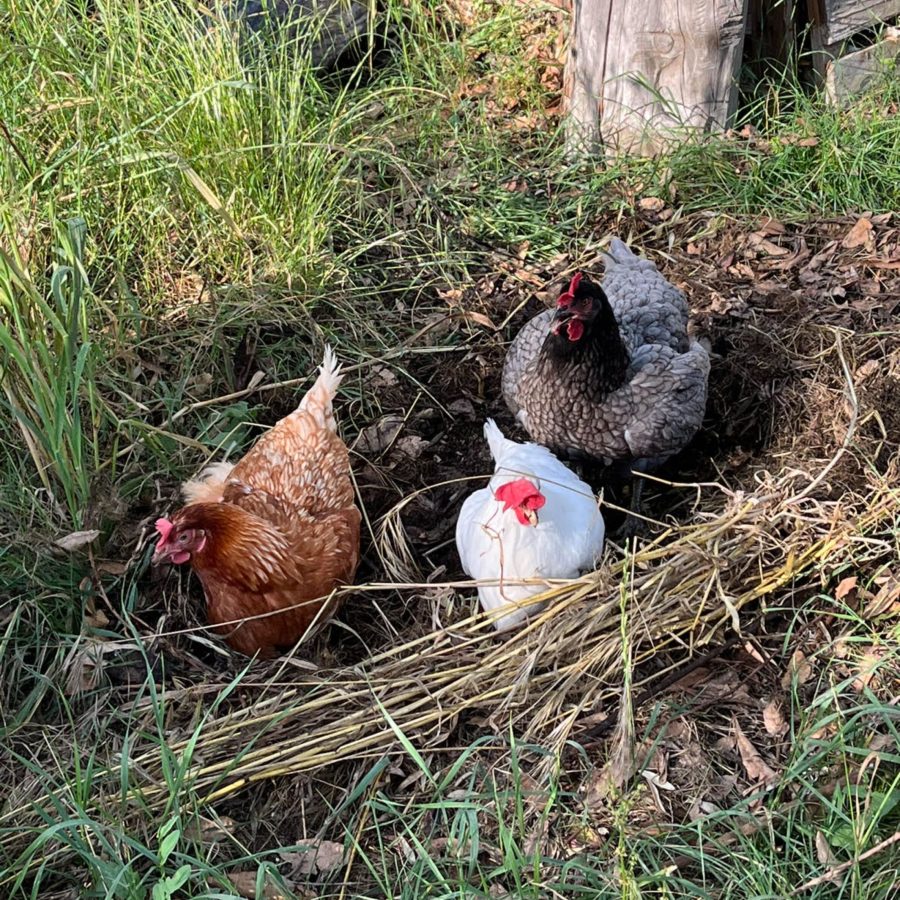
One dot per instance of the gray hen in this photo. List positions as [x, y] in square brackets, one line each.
[611, 373]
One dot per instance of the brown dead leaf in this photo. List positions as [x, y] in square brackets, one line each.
[651, 204]
[845, 585]
[767, 227]
[478, 318]
[383, 377]
[758, 241]
[794, 140]
[209, 831]
[524, 275]
[722, 306]
[867, 668]
[869, 368]
[691, 679]
[110, 567]
[742, 270]
[799, 668]
[786, 263]
[773, 719]
[244, 882]
[77, 539]
[451, 296]
[412, 445]
[829, 729]
[826, 856]
[886, 601]
[316, 858]
[93, 617]
[883, 263]
[823, 256]
[377, 437]
[701, 808]
[860, 235]
[758, 770]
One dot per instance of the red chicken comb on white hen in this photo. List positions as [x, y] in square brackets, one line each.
[536, 520]
[611, 372]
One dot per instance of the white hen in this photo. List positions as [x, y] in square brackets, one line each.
[535, 520]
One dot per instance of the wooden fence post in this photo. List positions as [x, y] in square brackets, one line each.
[642, 71]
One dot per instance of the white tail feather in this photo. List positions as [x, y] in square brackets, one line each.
[318, 399]
[209, 484]
[496, 441]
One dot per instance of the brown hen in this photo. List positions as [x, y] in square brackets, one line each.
[271, 537]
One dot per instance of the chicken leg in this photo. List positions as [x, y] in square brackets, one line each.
[634, 524]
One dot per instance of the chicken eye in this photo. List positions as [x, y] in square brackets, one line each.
[183, 538]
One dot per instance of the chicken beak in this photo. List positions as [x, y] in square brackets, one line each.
[531, 516]
[560, 317]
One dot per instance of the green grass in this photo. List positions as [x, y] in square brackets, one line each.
[159, 196]
[490, 822]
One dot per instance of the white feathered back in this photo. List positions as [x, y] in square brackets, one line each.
[500, 552]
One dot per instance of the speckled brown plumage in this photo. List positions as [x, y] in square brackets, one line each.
[632, 387]
[279, 531]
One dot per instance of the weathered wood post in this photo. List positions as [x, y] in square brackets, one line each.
[640, 72]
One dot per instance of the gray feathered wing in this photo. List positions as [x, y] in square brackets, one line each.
[522, 353]
[668, 400]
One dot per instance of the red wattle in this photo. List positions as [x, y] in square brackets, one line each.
[576, 329]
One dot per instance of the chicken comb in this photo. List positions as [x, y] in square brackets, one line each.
[519, 492]
[568, 295]
[164, 527]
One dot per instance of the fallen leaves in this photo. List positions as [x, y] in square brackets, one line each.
[651, 204]
[728, 306]
[478, 318]
[757, 769]
[77, 539]
[210, 831]
[245, 883]
[320, 858]
[94, 617]
[315, 859]
[826, 856]
[773, 719]
[374, 439]
[886, 601]
[762, 244]
[845, 586]
[412, 445]
[868, 668]
[799, 670]
[860, 235]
